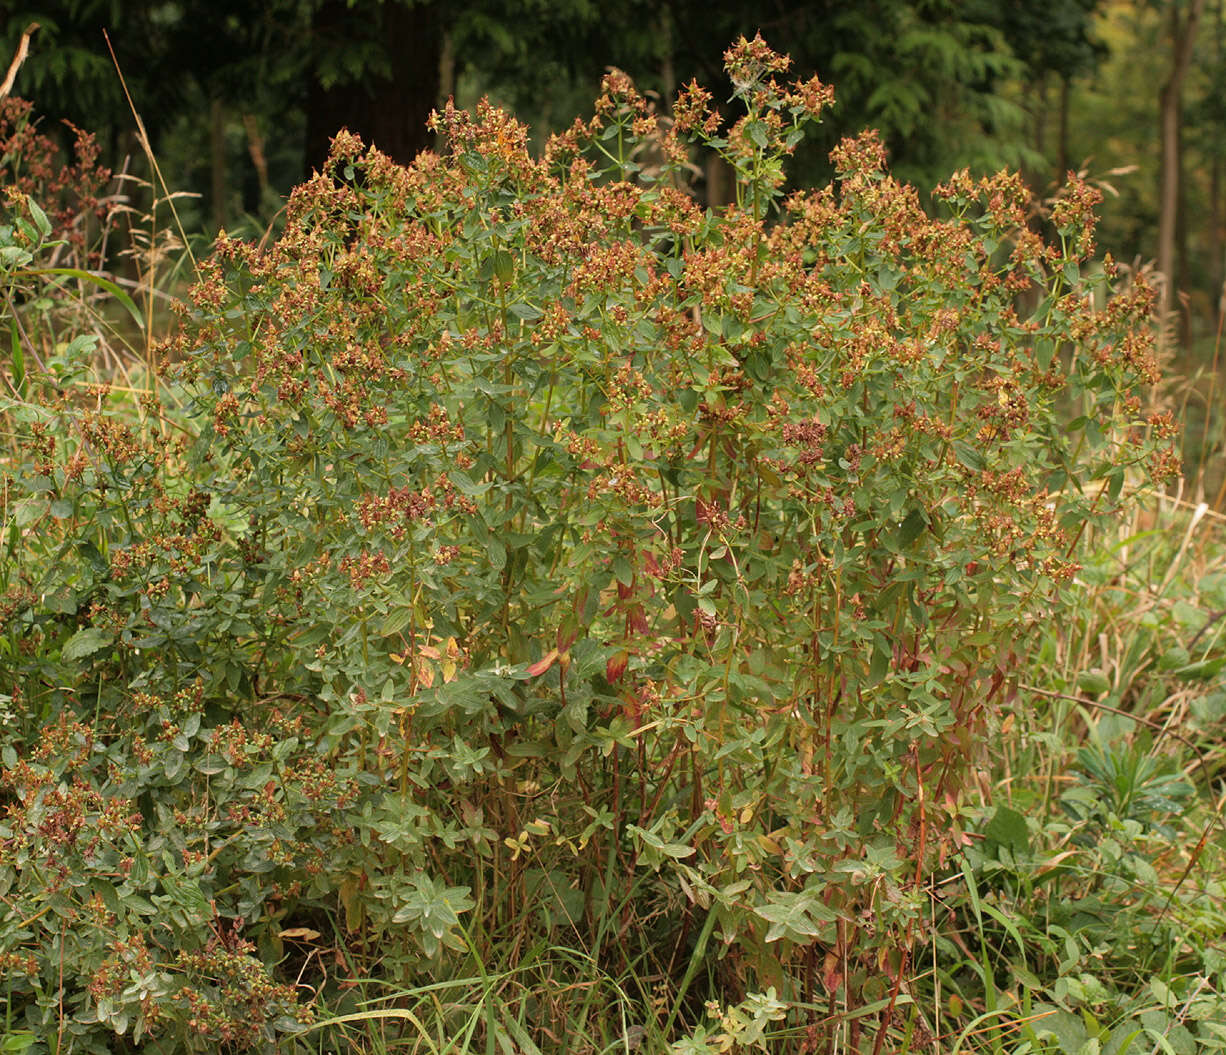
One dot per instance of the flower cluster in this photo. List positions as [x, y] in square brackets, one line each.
[71, 191]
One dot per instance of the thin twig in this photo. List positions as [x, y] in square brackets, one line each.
[147, 146]
[23, 50]
[1213, 618]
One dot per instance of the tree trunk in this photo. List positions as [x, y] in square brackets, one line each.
[217, 152]
[1217, 274]
[1181, 251]
[259, 162]
[719, 175]
[668, 71]
[1040, 120]
[1215, 236]
[1062, 165]
[1183, 36]
[388, 110]
[446, 69]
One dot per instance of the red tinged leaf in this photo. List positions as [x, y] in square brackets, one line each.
[544, 663]
[567, 633]
[832, 976]
[615, 666]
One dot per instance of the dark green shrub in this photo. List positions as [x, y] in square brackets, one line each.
[545, 559]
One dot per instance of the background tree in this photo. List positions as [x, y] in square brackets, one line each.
[1054, 41]
[378, 67]
[70, 73]
[372, 68]
[895, 64]
[241, 98]
[1183, 19]
[1204, 119]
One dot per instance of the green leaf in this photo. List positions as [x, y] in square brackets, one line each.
[395, 621]
[879, 666]
[1026, 977]
[13, 256]
[27, 511]
[1093, 682]
[185, 894]
[622, 570]
[1067, 1028]
[1008, 828]
[40, 217]
[18, 360]
[1121, 1039]
[86, 642]
[1174, 658]
[677, 851]
[1201, 671]
[100, 282]
[795, 916]
[63, 601]
[524, 311]
[504, 267]
[912, 527]
[968, 455]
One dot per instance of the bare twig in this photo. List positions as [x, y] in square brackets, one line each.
[143, 138]
[23, 49]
